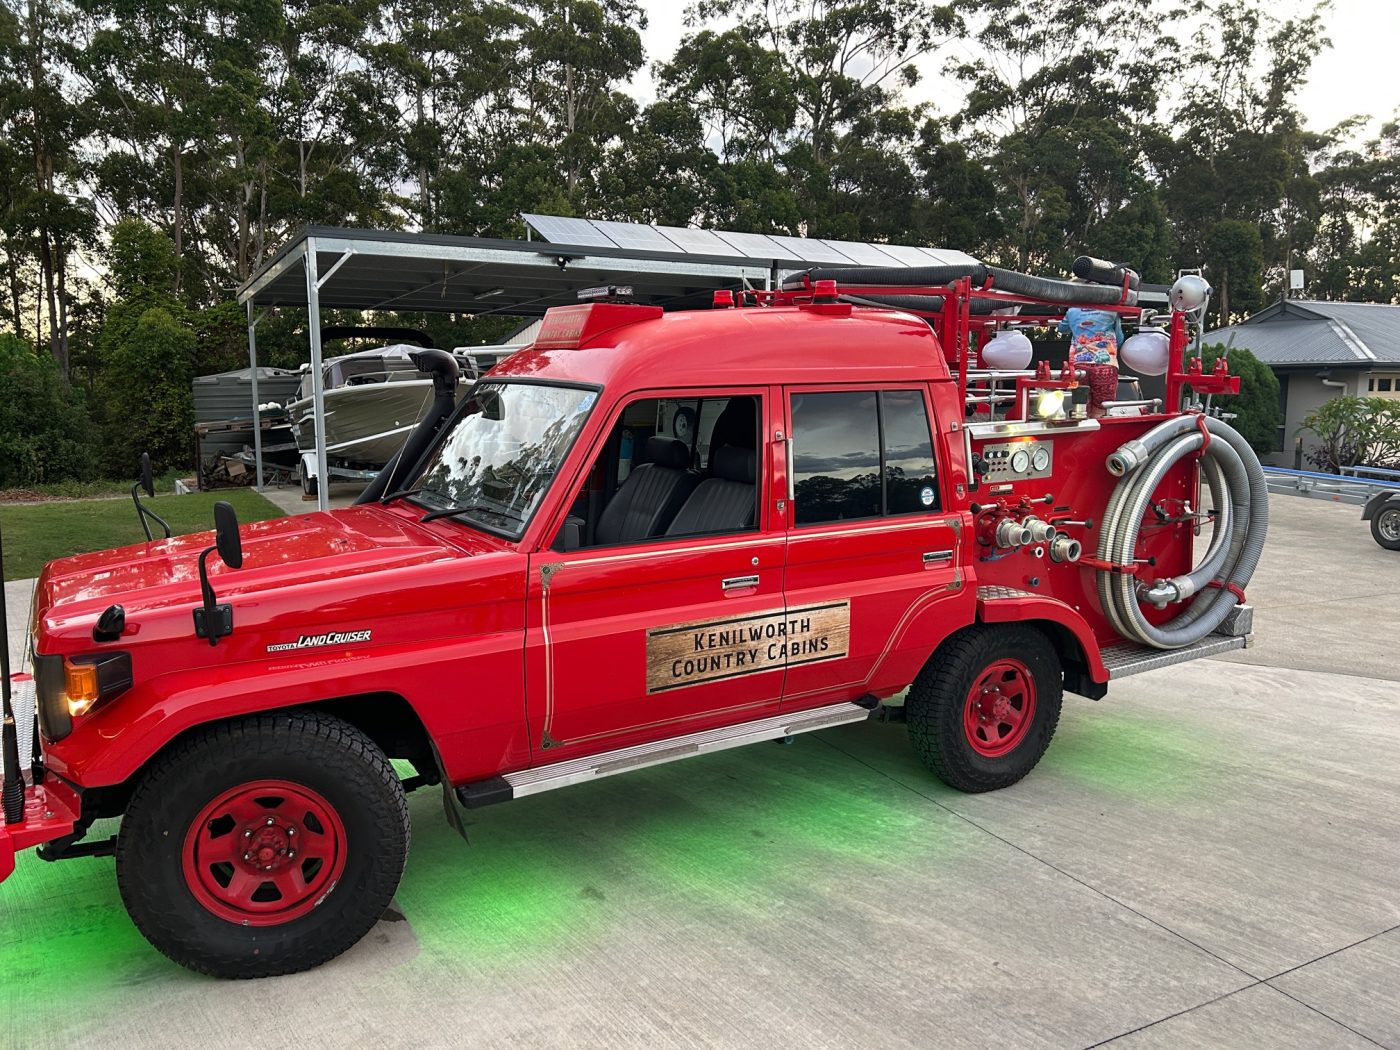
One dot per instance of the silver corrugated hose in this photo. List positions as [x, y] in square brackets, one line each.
[1239, 494]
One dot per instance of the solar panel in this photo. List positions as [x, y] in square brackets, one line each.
[810, 250]
[635, 235]
[948, 257]
[863, 254]
[752, 245]
[696, 242]
[905, 254]
[559, 229]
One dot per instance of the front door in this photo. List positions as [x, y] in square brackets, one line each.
[867, 543]
[666, 621]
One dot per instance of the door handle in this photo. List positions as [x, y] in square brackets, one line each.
[937, 557]
[738, 583]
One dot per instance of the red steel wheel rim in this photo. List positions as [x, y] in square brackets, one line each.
[1000, 708]
[264, 853]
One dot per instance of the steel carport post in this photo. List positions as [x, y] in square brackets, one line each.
[318, 394]
[257, 414]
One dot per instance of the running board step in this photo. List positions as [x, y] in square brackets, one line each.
[1127, 658]
[595, 767]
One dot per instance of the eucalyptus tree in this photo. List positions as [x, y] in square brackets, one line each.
[1060, 98]
[1239, 158]
[802, 99]
[180, 119]
[44, 120]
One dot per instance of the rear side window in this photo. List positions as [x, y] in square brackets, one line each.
[861, 454]
[836, 456]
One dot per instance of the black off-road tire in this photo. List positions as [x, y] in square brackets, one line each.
[321, 754]
[938, 699]
[1385, 525]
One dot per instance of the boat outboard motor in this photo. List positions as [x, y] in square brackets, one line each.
[442, 366]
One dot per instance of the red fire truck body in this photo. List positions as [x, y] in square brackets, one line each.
[593, 631]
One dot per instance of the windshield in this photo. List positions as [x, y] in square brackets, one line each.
[499, 458]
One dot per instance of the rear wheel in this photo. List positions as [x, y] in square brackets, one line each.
[1385, 525]
[263, 846]
[983, 710]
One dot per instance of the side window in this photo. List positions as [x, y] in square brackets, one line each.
[835, 456]
[676, 466]
[861, 454]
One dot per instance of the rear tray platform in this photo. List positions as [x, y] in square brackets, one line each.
[1127, 658]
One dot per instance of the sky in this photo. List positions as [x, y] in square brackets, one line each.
[1357, 75]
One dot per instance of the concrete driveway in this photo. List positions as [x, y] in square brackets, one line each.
[1209, 857]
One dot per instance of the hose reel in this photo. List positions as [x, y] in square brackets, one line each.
[1239, 494]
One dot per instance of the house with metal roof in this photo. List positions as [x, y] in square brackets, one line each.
[1320, 350]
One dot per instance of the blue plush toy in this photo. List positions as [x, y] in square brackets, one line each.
[1095, 336]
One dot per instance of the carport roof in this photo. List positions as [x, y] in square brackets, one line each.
[420, 272]
[1307, 332]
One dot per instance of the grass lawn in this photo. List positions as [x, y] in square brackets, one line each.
[40, 532]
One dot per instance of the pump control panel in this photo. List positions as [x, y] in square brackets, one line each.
[1019, 460]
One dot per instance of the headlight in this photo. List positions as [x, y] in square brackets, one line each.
[1049, 404]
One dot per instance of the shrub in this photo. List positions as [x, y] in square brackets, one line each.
[1354, 430]
[145, 389]
[45, 434]
[1256, 408]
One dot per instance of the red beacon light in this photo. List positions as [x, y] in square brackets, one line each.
[724, 298]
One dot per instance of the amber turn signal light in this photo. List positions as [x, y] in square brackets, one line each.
[80, 686]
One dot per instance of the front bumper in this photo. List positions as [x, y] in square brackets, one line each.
[51, 809]
[50, 812]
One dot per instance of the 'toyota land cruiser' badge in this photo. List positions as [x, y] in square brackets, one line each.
[710, 650]
[315, 641]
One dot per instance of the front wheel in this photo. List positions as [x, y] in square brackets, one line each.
[983, 710]
[263, 846]
[1385, 525]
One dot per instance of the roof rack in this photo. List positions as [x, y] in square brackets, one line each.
[964, 305]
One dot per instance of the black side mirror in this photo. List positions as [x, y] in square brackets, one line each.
[212, 620]
[570, 536]
[226, 536]
[147, 482]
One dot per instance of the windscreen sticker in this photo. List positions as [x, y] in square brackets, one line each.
[315, 641]
[711, 650]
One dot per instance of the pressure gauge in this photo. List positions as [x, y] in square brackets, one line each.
[1020, 460]
[1040, 459]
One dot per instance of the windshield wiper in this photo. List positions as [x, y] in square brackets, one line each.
[400, 494]
[448, 512]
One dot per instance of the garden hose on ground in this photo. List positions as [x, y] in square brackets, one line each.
[1239, 494]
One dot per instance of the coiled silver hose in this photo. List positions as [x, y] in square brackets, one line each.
[1239, 494]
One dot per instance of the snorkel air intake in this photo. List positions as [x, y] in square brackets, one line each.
[442, 366]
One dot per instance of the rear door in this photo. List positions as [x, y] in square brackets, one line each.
[869, 548]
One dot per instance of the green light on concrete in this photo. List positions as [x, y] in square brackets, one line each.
[1131, 751]
[723, 835]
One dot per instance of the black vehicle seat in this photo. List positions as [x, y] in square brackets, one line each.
[651, 495]
[736, 426]
[724, 502]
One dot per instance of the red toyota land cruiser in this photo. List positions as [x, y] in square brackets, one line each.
[645, 537]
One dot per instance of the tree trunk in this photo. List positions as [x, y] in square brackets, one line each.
[46, 265]
[179, 172]
[244, 265]
[16, 306]
[62, 270]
